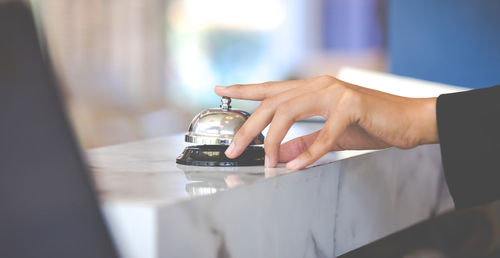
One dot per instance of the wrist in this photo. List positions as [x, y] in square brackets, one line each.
[427, 121]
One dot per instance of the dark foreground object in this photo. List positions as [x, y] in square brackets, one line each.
[472, 232]
[213, 156]
[48, 203]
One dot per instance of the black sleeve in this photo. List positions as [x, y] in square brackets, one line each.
[469, 133]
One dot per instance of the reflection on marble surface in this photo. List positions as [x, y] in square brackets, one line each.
[146, 171]
[206, 181]
[157, 209]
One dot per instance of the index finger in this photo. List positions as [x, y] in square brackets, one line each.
[258, 91]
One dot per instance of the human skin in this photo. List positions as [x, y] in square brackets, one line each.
[357, 118]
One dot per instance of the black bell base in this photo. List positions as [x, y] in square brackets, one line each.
[213, 156]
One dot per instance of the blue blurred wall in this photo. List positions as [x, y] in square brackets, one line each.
[449, 41]
[351, 25]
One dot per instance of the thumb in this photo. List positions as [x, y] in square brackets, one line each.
[291, 149]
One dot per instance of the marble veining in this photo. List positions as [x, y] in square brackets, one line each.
[156, 208]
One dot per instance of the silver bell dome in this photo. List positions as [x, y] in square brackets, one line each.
[217, 126]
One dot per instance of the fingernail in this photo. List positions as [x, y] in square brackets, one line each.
[229, 150]
[220, 87]
[294, 164]
[266, 162]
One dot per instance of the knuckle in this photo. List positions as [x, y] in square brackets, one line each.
[266, 104]
[326, 79]
[325, 139]
[267, 142]
[283, 109]
[328, 92]
[341, 145]
[266, 84]
[407, 143]
[350, 99]
[311, 155]
[338, 85]
[265, 89]
[290, 104]
[307, 154]
[269, 145]
[284, 113]
[269, 103]
[236, 87]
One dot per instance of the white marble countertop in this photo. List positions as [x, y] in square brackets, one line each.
[156, 208]
[146, 172]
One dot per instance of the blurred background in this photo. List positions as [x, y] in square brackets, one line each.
[135, 69]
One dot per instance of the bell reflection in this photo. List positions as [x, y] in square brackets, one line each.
[209, 181]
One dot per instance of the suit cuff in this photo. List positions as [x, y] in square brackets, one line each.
[469, 133]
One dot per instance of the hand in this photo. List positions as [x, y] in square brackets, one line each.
[356, 118]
